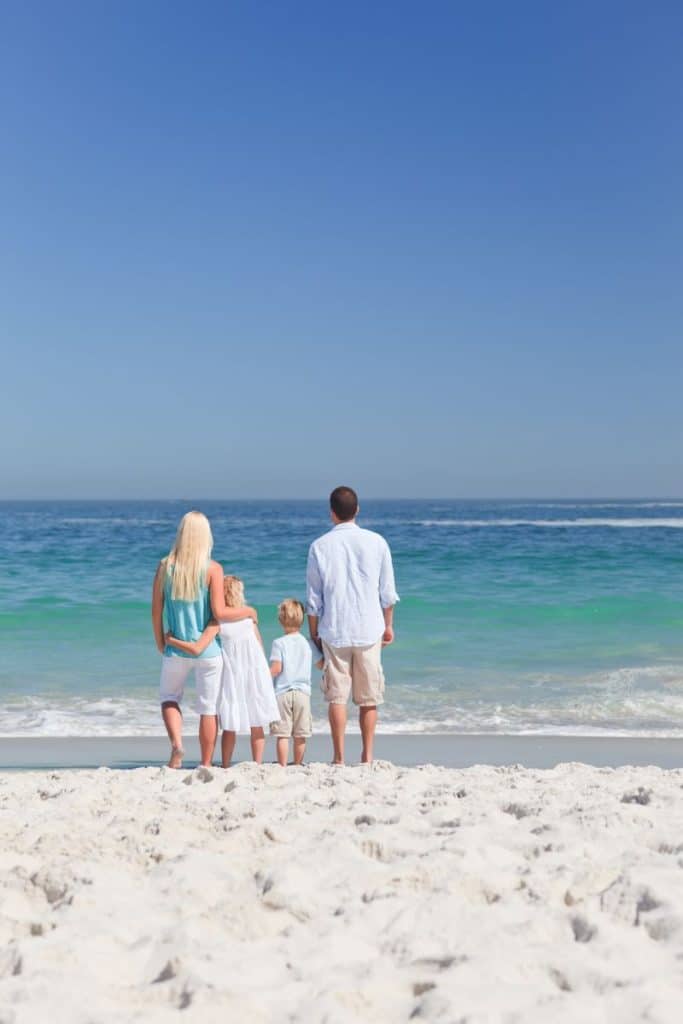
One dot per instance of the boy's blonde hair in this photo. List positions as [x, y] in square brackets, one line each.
[290, 612]
[188, 559]
[233, 589]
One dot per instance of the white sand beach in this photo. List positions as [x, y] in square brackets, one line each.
[383, 894]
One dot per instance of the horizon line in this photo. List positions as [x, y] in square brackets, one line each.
[472, 498]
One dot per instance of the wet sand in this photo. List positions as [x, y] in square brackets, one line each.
[446, 750]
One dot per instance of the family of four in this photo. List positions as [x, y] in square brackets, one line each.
[202, 625]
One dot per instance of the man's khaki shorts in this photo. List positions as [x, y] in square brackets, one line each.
[353, 670]
[295, 715]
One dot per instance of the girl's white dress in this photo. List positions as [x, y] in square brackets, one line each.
[247, 695]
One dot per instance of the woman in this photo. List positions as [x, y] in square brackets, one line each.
[188, 587]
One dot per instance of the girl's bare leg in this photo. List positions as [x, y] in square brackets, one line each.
[299, 748]
[227, 747]
[258, 744]
[208, 731]
[173, 720]
[282, 750]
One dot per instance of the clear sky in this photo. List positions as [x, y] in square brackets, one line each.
[260, 248]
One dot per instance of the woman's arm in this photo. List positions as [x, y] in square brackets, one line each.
[219, 609]
[158, 607]
[197, 646]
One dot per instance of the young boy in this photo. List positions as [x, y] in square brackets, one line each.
[290, 666]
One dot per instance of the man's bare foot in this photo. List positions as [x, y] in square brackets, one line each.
[176, 758]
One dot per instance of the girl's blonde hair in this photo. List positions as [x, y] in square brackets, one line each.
[233, 589]
[188, 559]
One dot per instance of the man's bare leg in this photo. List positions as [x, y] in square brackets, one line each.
[208, 731]
[227, 747]
[368, 723]
[337, 716]
[283, 750]
[299, 749]
[258, 744]
[173, 720]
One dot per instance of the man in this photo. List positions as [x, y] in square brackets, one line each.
[350, 603]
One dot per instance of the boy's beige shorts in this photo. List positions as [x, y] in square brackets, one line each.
[356, 671]
[295, 715]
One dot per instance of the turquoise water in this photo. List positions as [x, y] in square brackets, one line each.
[515, 617]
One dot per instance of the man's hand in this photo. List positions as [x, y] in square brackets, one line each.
[388, 636]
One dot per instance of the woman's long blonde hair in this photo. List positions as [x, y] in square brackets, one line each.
[188, 559]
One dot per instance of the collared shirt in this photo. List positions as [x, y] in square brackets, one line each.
[349, 580]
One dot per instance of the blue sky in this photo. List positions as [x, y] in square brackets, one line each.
[256, 249]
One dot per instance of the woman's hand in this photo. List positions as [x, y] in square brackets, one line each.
[251, 613]
[167, 637]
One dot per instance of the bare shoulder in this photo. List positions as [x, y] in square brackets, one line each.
[214, 568]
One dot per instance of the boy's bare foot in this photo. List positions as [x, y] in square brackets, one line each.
[176, 758]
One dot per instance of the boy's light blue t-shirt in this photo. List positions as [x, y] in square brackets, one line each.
[294, 651]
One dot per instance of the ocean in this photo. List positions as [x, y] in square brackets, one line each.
[543, 617]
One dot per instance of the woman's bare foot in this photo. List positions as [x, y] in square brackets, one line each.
[176, 758]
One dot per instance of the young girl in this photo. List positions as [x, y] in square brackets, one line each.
[247, 700]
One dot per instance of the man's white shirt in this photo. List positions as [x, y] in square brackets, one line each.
[349, 580]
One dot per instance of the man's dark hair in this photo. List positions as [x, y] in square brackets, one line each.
[344, 503]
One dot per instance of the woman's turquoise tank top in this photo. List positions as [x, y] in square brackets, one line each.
[188, 619]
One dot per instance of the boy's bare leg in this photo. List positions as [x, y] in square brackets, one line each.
[173, 720]
[208, 732]
[227, 747]
[337, 716]
[283, 750]
[368, 723]
[299, 748]
[258, 744]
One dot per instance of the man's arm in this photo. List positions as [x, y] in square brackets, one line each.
[387, 595]
[388, 634]
[313, 631]
[314, 597]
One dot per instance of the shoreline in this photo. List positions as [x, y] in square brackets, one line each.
[446, 750]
